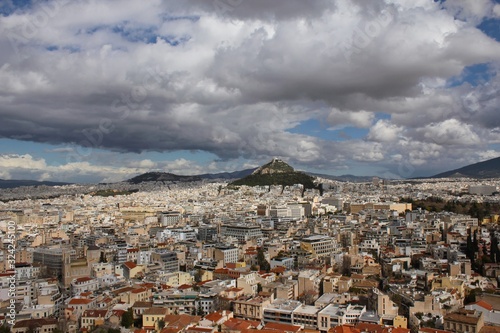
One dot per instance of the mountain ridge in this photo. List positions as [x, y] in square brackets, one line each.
[13, 183]
[485, 169]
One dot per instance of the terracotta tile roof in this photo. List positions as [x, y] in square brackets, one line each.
[282, 327]
[148, 285]
[138, 290]
[130, 264]
[400, 330]
[118, 313]
[199, 329]
[180, 321]
[483, 304]
[490, 329]
[95, 313]
[156, 311]
[78, 301]
[239, 324]
[184, 287]
[35, 322]
[214, 316]
[122, 290]
[368, 327]
[83, 279]
[343, 329]
[141, 304]
[431, 330]
[463, 316]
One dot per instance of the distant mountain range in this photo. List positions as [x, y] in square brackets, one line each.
[276, 171]
[344, 178]
[485, 169]
[12, 183]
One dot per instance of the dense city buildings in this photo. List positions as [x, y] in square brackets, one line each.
[205, 257]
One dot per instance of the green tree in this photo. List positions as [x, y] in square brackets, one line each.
[261, 260]
[198, 276]
[4, 329]
[200, 311]
[127, 318]
[161, 324]
[259, 287]
[470, 296]
[138, 322]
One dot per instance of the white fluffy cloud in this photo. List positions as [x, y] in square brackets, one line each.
[450, 132]
[384, 131]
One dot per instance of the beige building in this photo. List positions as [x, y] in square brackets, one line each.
[248, 282]
[309, 281]
[251, 309]
[130, 295]
[93, 318]
[331, 283]
[450, 283]
[152, 316]
[384, 304]
[179, 278]
[344, 284]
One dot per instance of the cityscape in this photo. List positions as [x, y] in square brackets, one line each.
[212, 256]
[249, 166]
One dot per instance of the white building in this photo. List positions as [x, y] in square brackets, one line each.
[84, 284]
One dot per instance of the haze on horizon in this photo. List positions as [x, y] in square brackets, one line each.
[94, 91]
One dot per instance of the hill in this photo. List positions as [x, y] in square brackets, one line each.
[227, 175]
[12, 183]
[276, 172]
[485, 169]
[161, 177]
[344, 178]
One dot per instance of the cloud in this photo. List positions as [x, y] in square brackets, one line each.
[340, 119]
[470, 10]
[15, 166]
[384, 131]
[235, 80]
[496, 10]
[450, 132]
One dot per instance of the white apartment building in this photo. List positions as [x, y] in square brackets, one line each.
[241, 232]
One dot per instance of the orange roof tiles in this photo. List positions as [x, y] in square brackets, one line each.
[282, 327]
[343, 329]
[84, 279]
[214, 317]
[483, 304]
[95, 313]
[130, 264]
[78, 301]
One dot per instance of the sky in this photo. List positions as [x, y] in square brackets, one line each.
[103, 90]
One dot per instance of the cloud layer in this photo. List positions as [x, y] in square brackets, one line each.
[234, 78]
